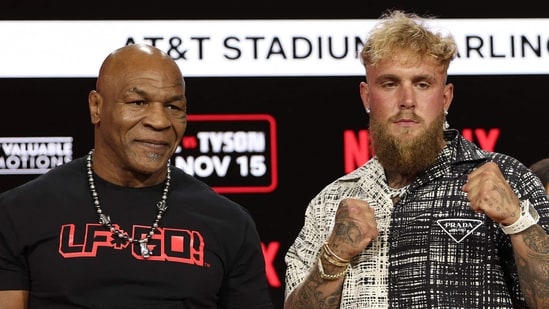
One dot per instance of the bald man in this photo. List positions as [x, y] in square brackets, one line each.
[120, 227]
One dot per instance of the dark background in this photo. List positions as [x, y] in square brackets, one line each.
[311, 112]
[260, 9]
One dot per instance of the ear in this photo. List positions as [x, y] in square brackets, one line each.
[365, 96]
[448, 95]
[95, 101]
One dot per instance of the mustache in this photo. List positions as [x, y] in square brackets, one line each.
[406, 115]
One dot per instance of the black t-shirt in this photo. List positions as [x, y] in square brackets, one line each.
[206, 252]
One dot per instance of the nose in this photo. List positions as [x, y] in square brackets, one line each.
[407, 99]
[157, 116]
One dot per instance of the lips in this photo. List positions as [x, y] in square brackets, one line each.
[410, 119]
[154, 144]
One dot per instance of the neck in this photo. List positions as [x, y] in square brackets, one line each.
[114, 172]
[397, 181]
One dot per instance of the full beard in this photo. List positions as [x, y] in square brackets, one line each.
[403, 154]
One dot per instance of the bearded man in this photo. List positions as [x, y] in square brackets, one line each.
[431, 220]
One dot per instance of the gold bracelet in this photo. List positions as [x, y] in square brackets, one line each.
[326, 276]
[329, 251]
[332, 261]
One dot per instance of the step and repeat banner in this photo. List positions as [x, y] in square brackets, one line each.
[274, 106]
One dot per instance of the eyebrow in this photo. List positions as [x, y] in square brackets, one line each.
[143, 93]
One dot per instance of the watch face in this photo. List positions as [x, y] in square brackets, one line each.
[528, 217]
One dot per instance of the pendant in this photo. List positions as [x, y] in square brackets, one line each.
[104, 219]
[145, 252]
[161, 205]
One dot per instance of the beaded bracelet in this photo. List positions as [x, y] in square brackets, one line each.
[326, 276]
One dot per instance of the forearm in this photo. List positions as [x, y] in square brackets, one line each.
[531, 251]
[14, 299]
[316, 292]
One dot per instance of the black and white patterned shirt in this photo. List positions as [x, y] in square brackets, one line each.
[433, 250]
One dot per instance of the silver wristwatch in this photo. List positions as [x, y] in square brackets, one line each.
[528, 217]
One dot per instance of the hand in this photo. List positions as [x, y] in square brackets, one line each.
[355, 227]
[488, 192]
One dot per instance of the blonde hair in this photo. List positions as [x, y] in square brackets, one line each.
[398, 31]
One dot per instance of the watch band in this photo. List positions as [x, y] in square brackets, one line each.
[528, 217]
